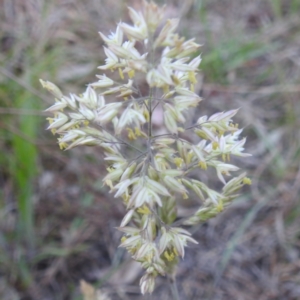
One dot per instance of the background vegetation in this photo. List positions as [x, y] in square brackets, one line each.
[57, 221]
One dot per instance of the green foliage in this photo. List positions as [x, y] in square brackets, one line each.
[24, 163]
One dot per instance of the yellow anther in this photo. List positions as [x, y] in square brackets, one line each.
[125, 198]
[146, 115]
[220, 206]
[189, 157]
[215, 145]
[131, 134]
[178, 161]
[138, 132]
[169, 256]
[175, 80]
[223, 156]
[110, 169]
[63, 146]
[192, 77]
[121, 74]
[144, 210]
[247, 180]
[166, 89]
[202, 165]
[50, 120]
[131, 74]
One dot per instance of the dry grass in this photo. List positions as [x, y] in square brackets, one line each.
[250, 60]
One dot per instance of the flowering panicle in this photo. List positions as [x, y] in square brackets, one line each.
[150, 183]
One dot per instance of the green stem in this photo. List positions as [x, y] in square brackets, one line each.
[173, 287]
[150, 114]
[151, 56]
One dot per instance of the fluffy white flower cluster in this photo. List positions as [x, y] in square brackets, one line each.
[152, 181]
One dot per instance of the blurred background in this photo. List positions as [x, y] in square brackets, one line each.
[57, 222]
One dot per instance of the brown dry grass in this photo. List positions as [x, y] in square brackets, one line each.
[250, 60]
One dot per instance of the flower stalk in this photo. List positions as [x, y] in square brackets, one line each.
[155, 69]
